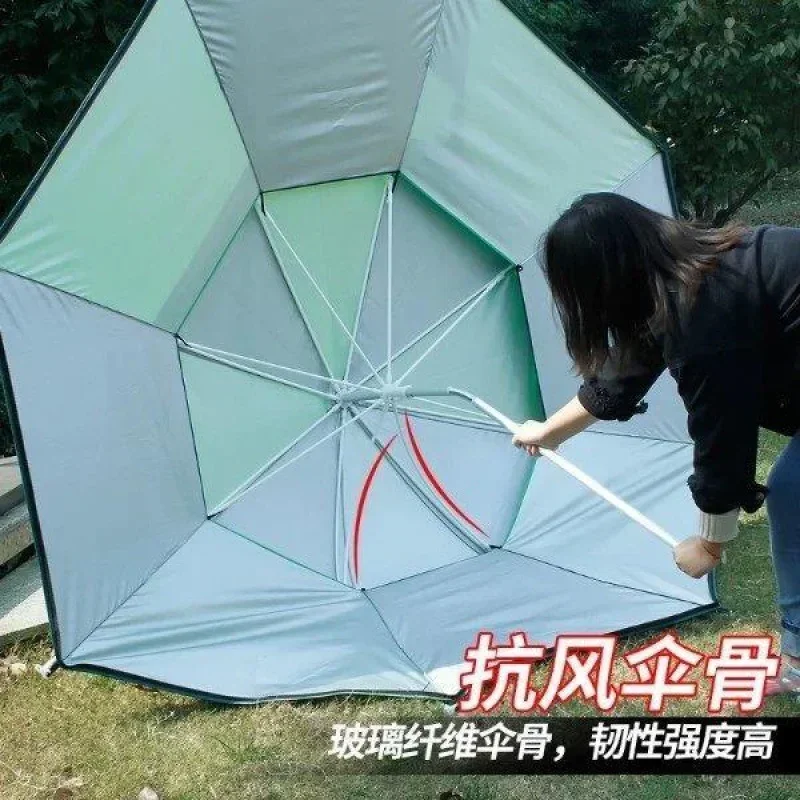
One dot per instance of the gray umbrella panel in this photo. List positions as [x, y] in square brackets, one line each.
[338, 81]
[108, 446]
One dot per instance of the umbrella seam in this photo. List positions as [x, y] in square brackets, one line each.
[149, 575]
[476, 554]
[191, 423]
[277, 553]
[428, 61]
[402, 649]
[658, 154]
[235, 119]
[601, 580]
[213, 270]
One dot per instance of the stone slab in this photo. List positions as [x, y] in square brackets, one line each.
[23, 611]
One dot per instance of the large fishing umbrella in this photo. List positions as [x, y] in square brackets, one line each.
[254, 311]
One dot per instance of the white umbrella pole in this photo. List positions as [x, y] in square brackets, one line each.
[575, 472]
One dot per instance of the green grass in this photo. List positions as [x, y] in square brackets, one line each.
[109, 739]
[778, 204]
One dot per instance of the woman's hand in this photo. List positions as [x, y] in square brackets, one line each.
[567, 421]
[532, 435]
[697, 557]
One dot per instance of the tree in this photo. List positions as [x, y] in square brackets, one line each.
[596, 34]
[721, 82]
[562, 21]
[50, 54]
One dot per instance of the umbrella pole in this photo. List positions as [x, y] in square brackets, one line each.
[575, 472]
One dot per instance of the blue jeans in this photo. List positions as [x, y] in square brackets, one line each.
[783, 508]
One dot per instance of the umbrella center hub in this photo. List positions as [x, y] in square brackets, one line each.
[388, 393]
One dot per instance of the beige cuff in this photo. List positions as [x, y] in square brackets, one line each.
[719, 527]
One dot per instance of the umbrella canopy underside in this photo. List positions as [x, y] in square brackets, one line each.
[236, 298]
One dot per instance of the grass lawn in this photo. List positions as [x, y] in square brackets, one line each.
[97, 738]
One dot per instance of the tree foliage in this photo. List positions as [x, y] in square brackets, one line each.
[51, 51]
[596, 34]
[721, 80]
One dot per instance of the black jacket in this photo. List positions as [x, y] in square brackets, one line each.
[736, 359]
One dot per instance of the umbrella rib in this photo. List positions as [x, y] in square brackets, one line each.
[389, 270]
[249, 482]
[298, 305]
[452, 419]
[263, 473]
[321, 293]
[467, 310]
[268, 364]
[340, 543]
[476, 414]
[453, 311]
[535, 253]
[365, 282]
[258, 373]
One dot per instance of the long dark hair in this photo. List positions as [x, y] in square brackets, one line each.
[619, 271]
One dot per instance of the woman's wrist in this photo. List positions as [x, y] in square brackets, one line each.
[714, 549]
[562, 425]
[719, 528]
[552, 435]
